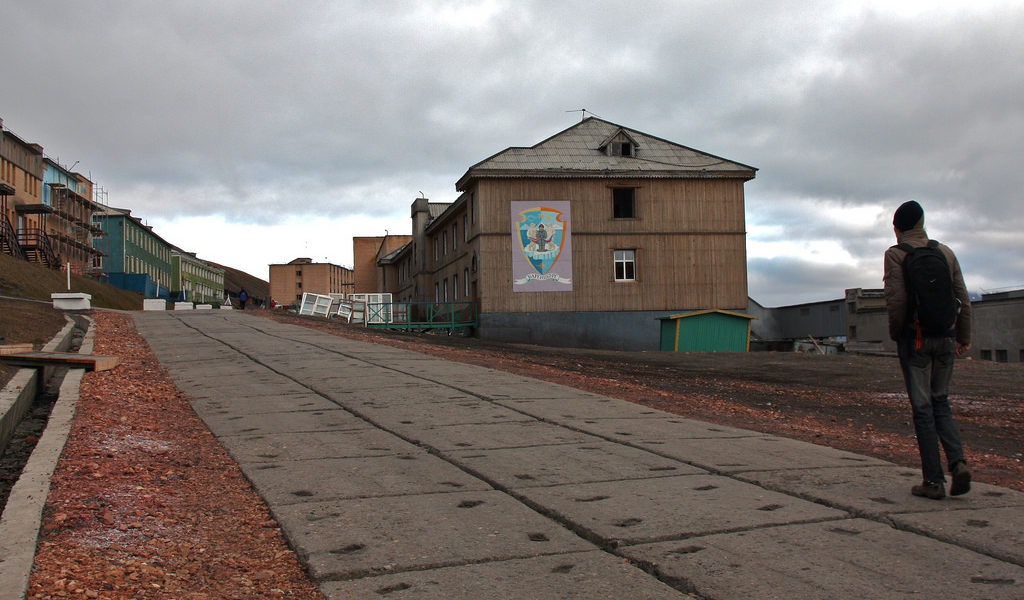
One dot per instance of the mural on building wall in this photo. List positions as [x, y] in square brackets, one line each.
[542, 260]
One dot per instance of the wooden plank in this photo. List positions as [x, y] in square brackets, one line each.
[14, 348]
[89, 362]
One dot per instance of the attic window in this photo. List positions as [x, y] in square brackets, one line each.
[622, 148]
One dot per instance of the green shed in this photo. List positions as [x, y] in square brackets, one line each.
[706, 331]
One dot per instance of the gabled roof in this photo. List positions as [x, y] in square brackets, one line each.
[580, 151]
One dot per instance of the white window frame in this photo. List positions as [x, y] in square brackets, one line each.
[626, 259]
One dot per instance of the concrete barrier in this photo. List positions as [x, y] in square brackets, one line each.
[183, 306]
[22, 516]
[154, 304]
[71, 301]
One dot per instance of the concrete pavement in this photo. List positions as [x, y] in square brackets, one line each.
[399, 475]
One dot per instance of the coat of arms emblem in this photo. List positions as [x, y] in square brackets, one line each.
[541, 232]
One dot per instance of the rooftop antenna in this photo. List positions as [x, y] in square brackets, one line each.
[583, 113]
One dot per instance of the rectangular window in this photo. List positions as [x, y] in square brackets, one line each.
[444, 289]
[622, 149]
[444, 242]
[625, 265]
[465, 227]
[455, 287]
[623, 203]
[455, 236]
[1001, 356]
[986, 355]
[465, 279]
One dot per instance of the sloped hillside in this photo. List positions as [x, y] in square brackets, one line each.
[27, 280]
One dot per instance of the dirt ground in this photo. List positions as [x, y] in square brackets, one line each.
[27, 321]
[847, 401]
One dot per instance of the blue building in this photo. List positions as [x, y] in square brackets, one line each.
[134, 257]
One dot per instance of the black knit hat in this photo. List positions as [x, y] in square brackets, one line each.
[908, 215]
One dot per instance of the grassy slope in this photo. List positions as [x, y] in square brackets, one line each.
[22, 279]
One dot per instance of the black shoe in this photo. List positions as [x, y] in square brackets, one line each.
[934, 491]
[961, 479]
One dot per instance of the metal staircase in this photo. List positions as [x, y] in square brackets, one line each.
[37, 248]
[9, 240]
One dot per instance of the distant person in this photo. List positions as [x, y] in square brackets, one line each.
[243, 297]
[930, 320]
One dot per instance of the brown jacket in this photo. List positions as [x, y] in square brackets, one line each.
[896, 287]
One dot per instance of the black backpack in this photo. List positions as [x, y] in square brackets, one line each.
[931, 304]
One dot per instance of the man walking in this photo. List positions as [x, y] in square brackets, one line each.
[930, 320]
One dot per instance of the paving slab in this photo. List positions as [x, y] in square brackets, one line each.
[525, 388]
[315, 445]
[453, 373]
[592, 575]
[223, 403]
[292, 421]
[571, 407]
[495, 435]
[210, 386]
[997, 532]
[422, 393]
[198, 352]
[742, 454]
[841, 560]
[512, 468]
[330, 369]
[646, 510]
[292, 482]
[355, 538]
[369, 382]
[876, 491]
[658, 429]
[460, 411]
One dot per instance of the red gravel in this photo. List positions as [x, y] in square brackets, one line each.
[145, 503]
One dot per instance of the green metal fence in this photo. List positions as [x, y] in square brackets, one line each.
[422, 316]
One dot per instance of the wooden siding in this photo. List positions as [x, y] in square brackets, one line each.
[688, 235]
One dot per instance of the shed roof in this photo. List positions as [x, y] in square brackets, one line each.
[704, 312]
[581, 151]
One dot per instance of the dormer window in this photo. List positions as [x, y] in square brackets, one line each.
[622, 149]
[619, 144]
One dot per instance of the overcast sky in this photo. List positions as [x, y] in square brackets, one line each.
[257, 132]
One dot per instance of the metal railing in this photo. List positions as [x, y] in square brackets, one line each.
[9, 239]
[36, 244]
[421, 316]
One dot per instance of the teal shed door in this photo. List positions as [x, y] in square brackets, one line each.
[706, 332]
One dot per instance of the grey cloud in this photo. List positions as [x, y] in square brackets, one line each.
[257, 109]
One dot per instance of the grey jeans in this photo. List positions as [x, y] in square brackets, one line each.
[928, 371]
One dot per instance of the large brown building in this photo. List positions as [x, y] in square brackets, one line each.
[584, 239]
[45, 209]
[289, 281]
[368, 277]
[23, 226]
